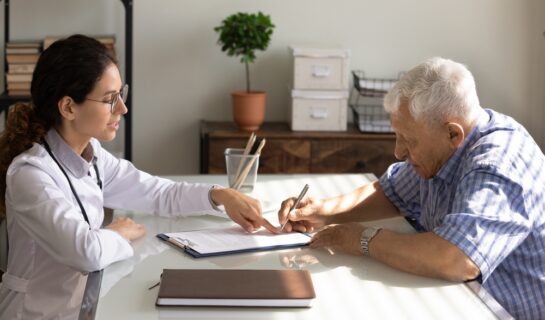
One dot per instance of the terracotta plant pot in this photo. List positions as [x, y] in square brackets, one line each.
[249, 109]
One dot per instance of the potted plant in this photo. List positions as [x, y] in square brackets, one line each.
[242, 34]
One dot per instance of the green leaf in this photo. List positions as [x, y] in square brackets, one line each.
[242, 34]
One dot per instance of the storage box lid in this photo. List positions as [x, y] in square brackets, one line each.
[320, 53]
[310, 94]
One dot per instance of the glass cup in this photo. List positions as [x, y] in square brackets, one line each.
[241, 169]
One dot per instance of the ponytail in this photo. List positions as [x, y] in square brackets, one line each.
[23, 128]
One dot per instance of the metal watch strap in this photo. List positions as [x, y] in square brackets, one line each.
[366, 236]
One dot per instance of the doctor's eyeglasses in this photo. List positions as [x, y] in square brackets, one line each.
[122, 94]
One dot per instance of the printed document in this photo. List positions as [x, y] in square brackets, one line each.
[236, 239]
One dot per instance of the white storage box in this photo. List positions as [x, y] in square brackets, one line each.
[319, 110]
[320, 69]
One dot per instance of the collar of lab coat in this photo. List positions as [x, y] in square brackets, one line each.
[70, 160]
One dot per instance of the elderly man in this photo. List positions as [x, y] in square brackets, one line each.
[473, 178]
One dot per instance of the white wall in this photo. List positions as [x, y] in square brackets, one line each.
[181, 76]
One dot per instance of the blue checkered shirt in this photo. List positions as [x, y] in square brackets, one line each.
[488, 199]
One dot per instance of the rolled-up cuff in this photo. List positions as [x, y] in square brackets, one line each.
[212, 203]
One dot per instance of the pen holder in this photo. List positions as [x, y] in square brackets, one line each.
[241, 169]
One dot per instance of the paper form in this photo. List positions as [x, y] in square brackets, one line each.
[235, 238]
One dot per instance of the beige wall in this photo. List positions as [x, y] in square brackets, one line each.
[181, 76]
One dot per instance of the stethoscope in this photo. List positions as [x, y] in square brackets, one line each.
[99, 182]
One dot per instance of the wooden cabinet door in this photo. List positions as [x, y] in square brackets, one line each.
[352, 156]
[286, 156]
[278, 155]
[216, 156]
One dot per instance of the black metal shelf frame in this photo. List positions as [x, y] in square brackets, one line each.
[6, 101]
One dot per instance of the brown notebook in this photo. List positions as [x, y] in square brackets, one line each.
[240, 288]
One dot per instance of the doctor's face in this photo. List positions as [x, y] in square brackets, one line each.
[425, 147]
[95, 117]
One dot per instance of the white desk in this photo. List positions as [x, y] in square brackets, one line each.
[346, 287]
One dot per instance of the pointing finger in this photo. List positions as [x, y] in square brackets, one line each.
[265, 223]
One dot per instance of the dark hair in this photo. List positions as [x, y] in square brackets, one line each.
[69, 67]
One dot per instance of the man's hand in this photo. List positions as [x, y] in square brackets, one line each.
[127, 228]
[341, 237]
[242, 209]
[306, 217]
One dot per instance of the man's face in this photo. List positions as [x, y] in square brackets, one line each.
[424, 146]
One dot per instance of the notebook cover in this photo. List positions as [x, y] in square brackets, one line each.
[229, 284]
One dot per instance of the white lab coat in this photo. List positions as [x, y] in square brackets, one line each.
[51, 247]
[3, 246]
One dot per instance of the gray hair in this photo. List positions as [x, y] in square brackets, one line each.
[437, 90]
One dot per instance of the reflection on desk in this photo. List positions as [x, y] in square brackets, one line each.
[347, 287]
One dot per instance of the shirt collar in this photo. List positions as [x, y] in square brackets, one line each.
[74, 163]
[449, 169]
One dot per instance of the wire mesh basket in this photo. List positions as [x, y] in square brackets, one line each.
[371, 87]
[366, 102]
[371, 118]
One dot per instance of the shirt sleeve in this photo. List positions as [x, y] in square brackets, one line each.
[126, 187]
[402, 186]
[488, 219]
[44, 212]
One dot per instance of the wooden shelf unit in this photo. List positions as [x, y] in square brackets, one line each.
[289, 151]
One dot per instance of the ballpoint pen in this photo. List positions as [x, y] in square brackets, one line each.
[299, 198]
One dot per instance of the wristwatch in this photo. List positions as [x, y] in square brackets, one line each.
[366, 236]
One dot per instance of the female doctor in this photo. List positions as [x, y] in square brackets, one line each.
[57, 178]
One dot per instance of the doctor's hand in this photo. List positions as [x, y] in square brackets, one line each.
[310, 214]
[127, 228]
[340, 237]
[242, 209]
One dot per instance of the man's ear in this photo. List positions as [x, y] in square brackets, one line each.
[66, 108]
[456, 134]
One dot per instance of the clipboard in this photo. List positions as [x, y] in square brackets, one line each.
[188, 241]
